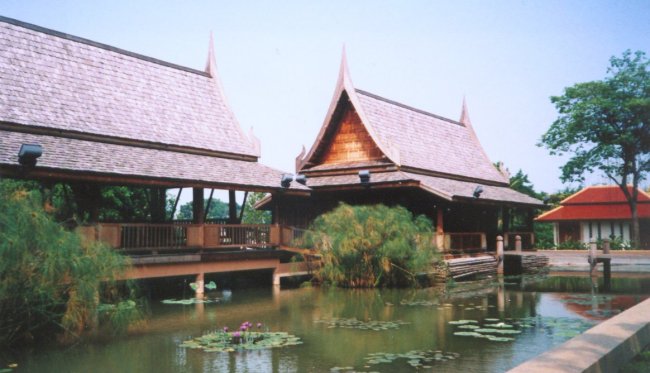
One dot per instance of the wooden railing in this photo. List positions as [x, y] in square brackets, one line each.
[527, 240]
[464, 242]
[134, 237]
[231, 235]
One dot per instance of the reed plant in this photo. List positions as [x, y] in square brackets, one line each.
[53, 285]
[372, 246]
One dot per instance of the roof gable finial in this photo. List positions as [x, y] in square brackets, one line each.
[344, 72]
[211, 65]
[464, 114]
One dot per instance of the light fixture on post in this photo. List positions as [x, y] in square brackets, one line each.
[28, 154]
[364, 177]
[478, 191]
[286, 180]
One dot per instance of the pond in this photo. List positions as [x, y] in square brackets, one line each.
[485, 326]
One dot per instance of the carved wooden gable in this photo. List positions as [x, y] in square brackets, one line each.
[351, 142]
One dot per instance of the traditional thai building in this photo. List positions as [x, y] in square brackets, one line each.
[89, 114]
[374, 150]
[597, 213]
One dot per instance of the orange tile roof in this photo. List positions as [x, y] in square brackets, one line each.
[597, 203]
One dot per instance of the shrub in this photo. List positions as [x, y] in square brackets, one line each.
[371, 246]
[50, 284]
[571, 245]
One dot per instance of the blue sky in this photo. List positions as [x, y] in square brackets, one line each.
[278, 60]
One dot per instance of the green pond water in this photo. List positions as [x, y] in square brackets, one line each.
[482, 326]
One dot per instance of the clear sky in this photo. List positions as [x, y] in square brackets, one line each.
[278, 60]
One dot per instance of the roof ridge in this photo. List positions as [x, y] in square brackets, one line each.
[78, 39]
[404, 106]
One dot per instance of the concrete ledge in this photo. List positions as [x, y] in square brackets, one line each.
[603, 348]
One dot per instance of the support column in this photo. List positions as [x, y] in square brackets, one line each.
[593, 261]
[518, 243]
[500, 255]
[440, 232]
[232, 207]
[200, 285]
[197, 206]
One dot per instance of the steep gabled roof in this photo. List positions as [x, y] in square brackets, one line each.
[107, 115]
[409, 138]
[53, 81]
[605, 202]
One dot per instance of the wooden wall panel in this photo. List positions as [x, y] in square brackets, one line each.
[351, 142]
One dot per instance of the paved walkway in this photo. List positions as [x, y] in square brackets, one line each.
[576, 260]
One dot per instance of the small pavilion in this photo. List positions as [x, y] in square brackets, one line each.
[598, 213]
[76, 111]
[374, 150]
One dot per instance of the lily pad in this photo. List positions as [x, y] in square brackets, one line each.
[462, 322]
[415, 358]
[353, 323]
[468, 326]
[190, 301]
[221, 341]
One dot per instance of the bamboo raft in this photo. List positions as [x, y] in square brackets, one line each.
[459, 268]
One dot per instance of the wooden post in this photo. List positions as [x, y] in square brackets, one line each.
[440, 232]
[606, 246]
[197, 206]
[200, 285]
[593, 258]
[500, 255]
[232, 207]
[518, 243]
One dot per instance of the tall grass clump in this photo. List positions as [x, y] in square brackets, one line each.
[371, 246]
[51, 285]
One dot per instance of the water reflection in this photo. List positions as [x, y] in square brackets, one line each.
[555, 308]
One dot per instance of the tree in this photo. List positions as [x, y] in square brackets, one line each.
[605, 126]
[218, 210]
[252, 215]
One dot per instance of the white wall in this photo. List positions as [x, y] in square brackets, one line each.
[591, 229]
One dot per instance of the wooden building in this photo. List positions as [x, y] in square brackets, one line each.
[597, 213]
[373, 150]
[93, 115]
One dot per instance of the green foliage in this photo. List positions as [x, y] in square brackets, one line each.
[51, 283]
[571, 245]
[543, 235]
[640, 364]
[253, 216]
[520, 183]
[218, 210]
[371, 246]
[605, 126]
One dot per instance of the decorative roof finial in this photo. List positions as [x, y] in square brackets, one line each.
[211, 65]
[344, 73]
[464, 114]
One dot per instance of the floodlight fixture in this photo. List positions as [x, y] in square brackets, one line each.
[28, 154]
[364, 177]
[478, 191]
[286, 180]
[301, 179]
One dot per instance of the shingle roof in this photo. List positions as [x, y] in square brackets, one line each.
[427, 141]
[410, 138]
[598, 203]
[56, 81]
[123, 162]
[445, 188]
